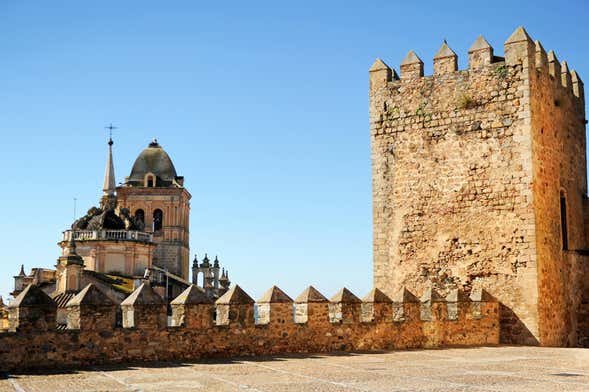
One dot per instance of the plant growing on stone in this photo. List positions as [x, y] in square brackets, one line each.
[501, 71]
[466, 102]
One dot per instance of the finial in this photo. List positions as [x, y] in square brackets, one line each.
[22, 270]
[110, 128]
[195, 261]
[154, 143]
[71, 247]
[216, 261]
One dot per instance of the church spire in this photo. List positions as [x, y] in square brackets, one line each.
[109, 185]
[109, 174]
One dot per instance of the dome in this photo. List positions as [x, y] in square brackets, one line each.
[156, 161]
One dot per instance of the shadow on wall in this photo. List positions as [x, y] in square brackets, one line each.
[513, 330]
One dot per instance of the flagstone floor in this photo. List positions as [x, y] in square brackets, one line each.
[472, 369]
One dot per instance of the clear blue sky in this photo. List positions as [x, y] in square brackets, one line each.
[263, 107]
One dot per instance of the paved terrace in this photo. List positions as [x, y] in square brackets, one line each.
[475, 369]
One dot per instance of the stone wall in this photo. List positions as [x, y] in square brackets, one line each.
[467, 168]
[92, 337]
[559, 170]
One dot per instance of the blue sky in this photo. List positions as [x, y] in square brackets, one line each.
[263, 107]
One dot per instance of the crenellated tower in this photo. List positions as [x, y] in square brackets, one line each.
[480, 181]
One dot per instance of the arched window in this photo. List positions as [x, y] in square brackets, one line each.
[150, 183]
[150, 180]
[158, 219]
[563, 221]
[140, 215]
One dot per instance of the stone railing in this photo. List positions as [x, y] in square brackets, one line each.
[199, 328]
[97, 235]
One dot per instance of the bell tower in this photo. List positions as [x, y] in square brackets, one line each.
[154, 193]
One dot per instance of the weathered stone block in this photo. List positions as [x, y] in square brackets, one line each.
[235, 307]
[144, 309]
[91, 309]
[32, 309]
[274, 307]
[192, 309]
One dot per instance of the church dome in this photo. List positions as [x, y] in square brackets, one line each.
[153, 161]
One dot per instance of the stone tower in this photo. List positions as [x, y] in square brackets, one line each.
[156, 194]
[480, 180]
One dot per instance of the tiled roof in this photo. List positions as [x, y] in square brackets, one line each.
[62, 299]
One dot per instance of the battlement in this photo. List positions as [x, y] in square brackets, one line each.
[520, 50]
[199, 328]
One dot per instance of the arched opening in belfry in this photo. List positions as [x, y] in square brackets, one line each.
[150, 182]
[158, 219]
[140, 215]
[563, 221]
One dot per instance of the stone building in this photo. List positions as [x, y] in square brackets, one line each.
[140, 231]
[480, 180]
[154, 193]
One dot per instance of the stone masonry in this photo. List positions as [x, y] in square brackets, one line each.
[227, 328]
[480, 180]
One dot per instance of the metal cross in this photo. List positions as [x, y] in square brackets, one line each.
[110, 128]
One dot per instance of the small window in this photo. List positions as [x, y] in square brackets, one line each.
[563, 222]
[140, 215]
[158, 218]
[150, 183]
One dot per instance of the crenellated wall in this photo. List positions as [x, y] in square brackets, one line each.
[344, 323]
[468, 166]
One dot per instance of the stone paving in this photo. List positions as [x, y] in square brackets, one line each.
[476, 369]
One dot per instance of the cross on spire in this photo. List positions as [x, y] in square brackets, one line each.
[110, 128]
[109, 186]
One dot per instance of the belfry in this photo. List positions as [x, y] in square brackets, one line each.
[155, 194]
